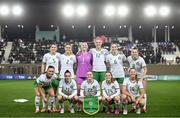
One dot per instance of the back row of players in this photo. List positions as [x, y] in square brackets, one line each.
[93, 67]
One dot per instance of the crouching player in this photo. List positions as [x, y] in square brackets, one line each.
[43, 85]
[111, 92]
[67, 91]
[133, 92]
[90, 87]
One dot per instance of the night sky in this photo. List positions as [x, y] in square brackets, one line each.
[47, 12]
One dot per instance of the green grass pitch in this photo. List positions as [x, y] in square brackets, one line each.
[163, 100]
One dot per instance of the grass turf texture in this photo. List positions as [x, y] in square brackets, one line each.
[163, 100]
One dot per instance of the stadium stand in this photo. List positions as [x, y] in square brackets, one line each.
[2, 49]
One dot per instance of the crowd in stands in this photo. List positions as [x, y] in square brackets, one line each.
[3, 44]
[167, 47]
[32, 51]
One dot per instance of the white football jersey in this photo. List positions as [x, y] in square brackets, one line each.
[67, 63]
[68, 88]
[110, 89]
[99, 58]
[133, 87]
[43, 80]
[138, 64]
[90, 89]
[116, 64]
[52, 60]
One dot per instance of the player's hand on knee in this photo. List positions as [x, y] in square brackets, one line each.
[108, 98]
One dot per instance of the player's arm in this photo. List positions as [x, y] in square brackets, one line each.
[59, 63]
[141, 95]
[82, 90]
[60, 91]
[117, 91]
[107, 63]
[106, 54]
[40, 89]
[98, 90]
[144, 72]
[104, 91]
[74, 91]
[125, 92]
[75, 62]
[126, 65]
[43, 66]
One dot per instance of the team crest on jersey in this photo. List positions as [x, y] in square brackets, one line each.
[71, 86]
[91, 105]
[138, 63]
[102, 52]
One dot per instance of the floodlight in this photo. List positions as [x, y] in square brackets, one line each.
[123, 10]
[164, 11]
[68, 10]
[17, 10]
[82, 10]
[4, 10]
[109, 10]
[150, 11]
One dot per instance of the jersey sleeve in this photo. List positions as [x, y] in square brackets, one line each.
[44, 60]
[74, 89]
[143, 62]
[106, 52]
[124, 57]
[59, 57]
[40, 80]
[116, 84]
[91, 51]
[140, 85]
[107, 58]
[74, 59]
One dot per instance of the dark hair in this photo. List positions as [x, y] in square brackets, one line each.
[50, 67]
[67, 71]
[134, 48]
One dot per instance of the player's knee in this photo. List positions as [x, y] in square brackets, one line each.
[76, 98]
[141, 102]
[99, 98]
[37, 93]
[59, 97]
[103, 99]
[116, 98]
[51, 92]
